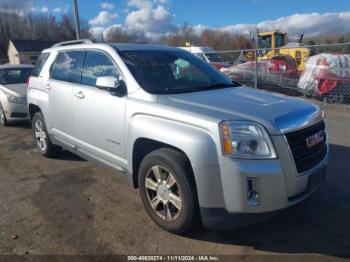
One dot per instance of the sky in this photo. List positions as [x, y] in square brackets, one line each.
[157, 17]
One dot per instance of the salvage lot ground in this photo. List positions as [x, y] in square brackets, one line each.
[70, 206]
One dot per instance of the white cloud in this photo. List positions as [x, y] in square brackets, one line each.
[150, 18]
[310, 24]
[57, 10]
[44, 9]
[97, 32]
[142, 4]
[199, 29]
[20, 7]
[100, 32]
[103, 18]
[113, 28]
[107, 6]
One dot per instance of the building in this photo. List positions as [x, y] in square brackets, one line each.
[26, 51]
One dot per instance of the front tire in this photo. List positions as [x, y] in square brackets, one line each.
[168, 190]
[41, 136]
[3, 120]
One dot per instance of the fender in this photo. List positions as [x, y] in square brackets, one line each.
[197, 143]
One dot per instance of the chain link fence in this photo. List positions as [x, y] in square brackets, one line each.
[318, 71]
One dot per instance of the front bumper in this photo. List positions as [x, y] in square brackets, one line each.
[16, 112]
[224, 201]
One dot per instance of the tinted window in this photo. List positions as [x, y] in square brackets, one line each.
[67, 66]
[169, 72]
[14, 75]
[40, 63]
[97, 64]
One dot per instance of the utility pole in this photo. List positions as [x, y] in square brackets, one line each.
[77, 22]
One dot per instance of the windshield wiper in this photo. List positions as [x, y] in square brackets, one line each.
[205, 88]
[215, 86]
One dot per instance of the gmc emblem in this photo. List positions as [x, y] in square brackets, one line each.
[315, 139]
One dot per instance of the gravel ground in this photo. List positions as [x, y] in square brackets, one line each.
[68, 206]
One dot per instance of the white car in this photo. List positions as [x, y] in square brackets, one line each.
[13, 93]
[207, 54]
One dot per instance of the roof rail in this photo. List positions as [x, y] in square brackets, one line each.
[74, 42]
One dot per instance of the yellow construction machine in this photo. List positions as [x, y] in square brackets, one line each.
[275, 43]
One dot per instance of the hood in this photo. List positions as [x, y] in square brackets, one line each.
[278, 113]
[16, 89]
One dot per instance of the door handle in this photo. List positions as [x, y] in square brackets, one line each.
[48, 87]
[80, 95]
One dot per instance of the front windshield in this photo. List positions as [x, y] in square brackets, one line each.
[171, 72]
[12, 76]
[214, 58]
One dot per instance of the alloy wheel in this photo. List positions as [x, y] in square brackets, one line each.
[40, 135]
[2, 117]
[163, 193]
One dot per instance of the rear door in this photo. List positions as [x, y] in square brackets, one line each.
[99, 115]
[65, 73]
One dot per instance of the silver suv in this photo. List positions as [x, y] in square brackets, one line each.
[200, 148]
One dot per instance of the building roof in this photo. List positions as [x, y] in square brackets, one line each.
[34, 46]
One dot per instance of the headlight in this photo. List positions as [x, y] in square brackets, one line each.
[244, 139]
[16, 99]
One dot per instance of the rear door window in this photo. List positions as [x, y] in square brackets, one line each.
[40, 64]
[67, 66]
[98, 64]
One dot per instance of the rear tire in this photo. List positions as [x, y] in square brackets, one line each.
[41, 137]
[168, 190]
[3, 120]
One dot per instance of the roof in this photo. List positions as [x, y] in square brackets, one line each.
[134, 47]
[12, 66]
[35, 46]
[118, 47]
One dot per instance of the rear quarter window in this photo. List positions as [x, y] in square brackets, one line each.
[40, 64]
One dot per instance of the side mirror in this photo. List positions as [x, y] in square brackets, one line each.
[111, 84]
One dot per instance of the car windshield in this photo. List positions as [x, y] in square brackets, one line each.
[214, 58]
[11, 76]
[171, 72]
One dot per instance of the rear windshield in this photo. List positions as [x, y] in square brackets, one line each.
[40, 63]
[14, 75]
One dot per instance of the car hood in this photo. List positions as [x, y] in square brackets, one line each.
[278, 113]
[16, 89]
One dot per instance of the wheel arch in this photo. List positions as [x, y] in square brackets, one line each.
[33, 109]
[142, 147]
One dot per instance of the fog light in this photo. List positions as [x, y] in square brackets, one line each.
[253, 193]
